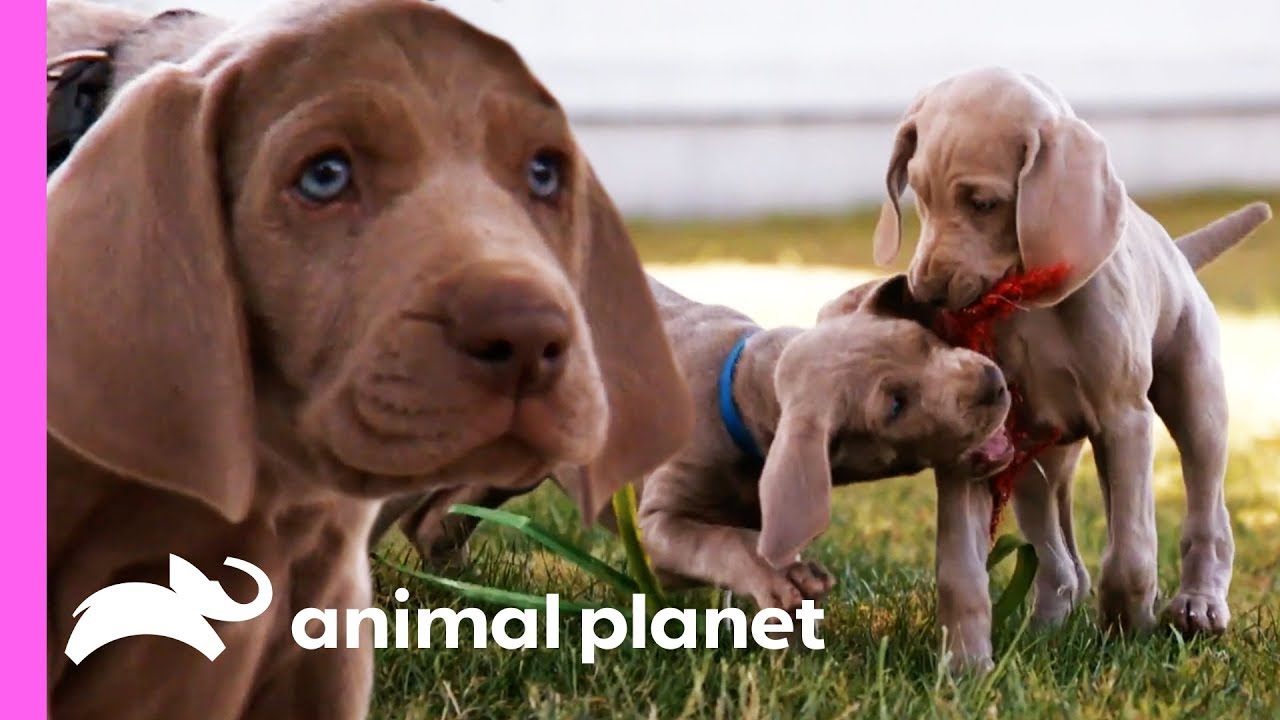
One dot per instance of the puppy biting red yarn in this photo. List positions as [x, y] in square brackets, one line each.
[974, 327]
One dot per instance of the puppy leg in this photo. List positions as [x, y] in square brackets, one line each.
[1043, 506]
[1189, 396]
[726, 557]
[1124, 453]
[963, 542]
[439, 537]
[1065, 522]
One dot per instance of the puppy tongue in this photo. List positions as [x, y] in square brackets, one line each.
[996, 447]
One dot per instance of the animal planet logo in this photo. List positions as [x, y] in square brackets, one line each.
[181, 611]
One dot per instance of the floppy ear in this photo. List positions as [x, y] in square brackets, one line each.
[148, 361]
[851, 301]
[795, 488]
[893, 299]
[889, 298]
[1070, 203]
[650, 413]
[888, 233]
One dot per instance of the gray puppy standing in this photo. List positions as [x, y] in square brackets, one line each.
[1007, 177]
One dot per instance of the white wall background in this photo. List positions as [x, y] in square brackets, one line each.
[726, 107]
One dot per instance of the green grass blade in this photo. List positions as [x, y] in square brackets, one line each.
[484, 594]
[1006, 544]
[1024, 572]
[555, 543]
[624, 510]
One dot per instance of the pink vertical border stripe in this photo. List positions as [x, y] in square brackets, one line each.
[22, 304]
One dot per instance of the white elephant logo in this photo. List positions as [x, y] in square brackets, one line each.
[181, 611]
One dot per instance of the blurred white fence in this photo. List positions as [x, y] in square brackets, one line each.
[728, 107]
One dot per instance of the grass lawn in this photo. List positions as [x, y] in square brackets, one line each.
[881, 656]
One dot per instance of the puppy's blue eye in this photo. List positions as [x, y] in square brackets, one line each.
[325, 177]
[897, 404]
[544, 175]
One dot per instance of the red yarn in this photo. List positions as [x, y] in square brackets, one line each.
[973, 327]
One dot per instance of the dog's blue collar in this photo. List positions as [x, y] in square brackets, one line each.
[729, 414]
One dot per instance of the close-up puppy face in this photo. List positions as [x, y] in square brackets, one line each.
[410, 246]
[907, 399]
[1005, 179]
[966, 191]
[395, 262]
[870, 393]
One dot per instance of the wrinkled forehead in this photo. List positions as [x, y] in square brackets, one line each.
[447, 72]
[994, 154]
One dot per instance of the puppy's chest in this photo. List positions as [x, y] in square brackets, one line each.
[1043, 367]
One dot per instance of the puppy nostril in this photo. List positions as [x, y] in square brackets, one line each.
[993, 388]
[513, 334]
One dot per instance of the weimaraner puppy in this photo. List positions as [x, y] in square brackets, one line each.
[782, 415]
[345, 251]
[1006, 177]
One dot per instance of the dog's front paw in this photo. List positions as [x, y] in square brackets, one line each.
[1198, 613]
[1056, 595]
[970, 663]
[1127, 597]
[1126, 613]
[812, 579]
[968, 643]
[787, 588]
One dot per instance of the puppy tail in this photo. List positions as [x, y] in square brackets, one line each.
[1202, 246]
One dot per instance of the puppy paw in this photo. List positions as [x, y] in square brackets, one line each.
[812, 579]
[968, 642]
[1061, 585]
[1055, 598]
[1127, 612]
[1084, 585]
[444, 556]
[1127, 593]
[789, 587]
[1197, 614]
[972, 664]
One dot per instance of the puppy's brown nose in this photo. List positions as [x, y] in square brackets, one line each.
[991, 389]
[514, 336]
